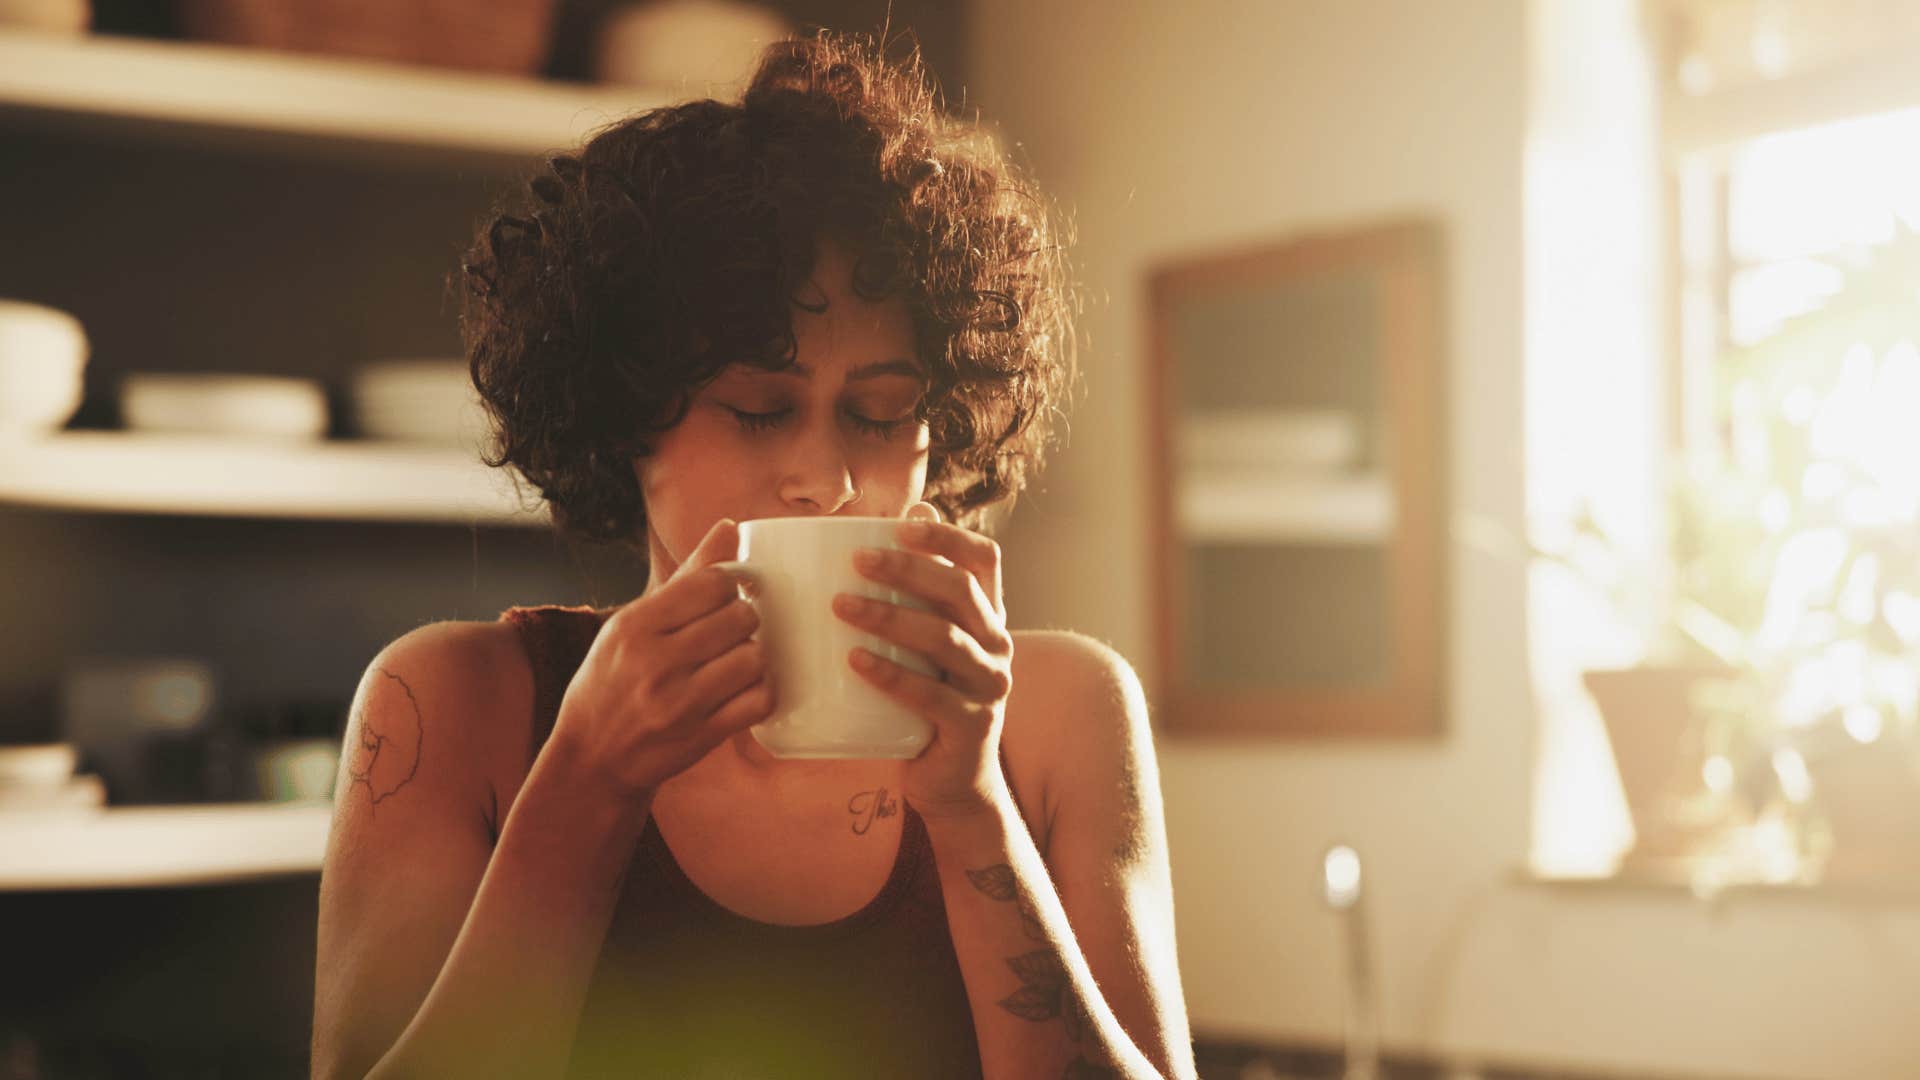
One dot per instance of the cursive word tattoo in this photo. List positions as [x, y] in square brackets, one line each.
[869, 807]
[387, 757]
[1046, 991]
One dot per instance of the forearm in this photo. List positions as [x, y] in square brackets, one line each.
[1036, 1009]
[508, 999]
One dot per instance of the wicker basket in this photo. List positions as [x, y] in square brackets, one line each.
[500, 35]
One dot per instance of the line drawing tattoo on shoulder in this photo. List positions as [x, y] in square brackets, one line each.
[387, 757]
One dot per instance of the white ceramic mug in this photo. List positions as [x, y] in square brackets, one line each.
[823, 708]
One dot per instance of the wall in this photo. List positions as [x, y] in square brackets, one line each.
[192, 255]
[1170, 130]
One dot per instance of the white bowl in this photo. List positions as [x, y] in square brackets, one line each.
[43, 357]
[428, 375]
[86, 793]
[261, 406]
[37, 765]
[426, 401]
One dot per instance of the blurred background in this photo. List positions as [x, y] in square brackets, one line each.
[1496, 454]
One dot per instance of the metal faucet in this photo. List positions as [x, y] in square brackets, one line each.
[1340, 888]
[1340, 882]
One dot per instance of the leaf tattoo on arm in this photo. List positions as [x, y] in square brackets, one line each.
[998, 882]
[1045, 990]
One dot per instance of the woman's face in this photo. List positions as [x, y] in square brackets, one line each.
[835, 434]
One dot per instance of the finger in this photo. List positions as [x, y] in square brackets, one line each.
[926, 696]
[721, 542]
[953, 591]
[945, 645]
[722, 677]
[743, 710]
[695, 587]
[980, 555]
[686, 598]
[712, 634]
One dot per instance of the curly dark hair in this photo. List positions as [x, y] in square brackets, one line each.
[630, 273]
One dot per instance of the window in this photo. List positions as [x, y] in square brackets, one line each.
[1792, 178]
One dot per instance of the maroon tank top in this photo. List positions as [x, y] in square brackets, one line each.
[687, 988]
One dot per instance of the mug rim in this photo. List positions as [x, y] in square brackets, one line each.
[821, 520]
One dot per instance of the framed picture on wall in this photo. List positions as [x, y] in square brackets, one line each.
[1297, 438]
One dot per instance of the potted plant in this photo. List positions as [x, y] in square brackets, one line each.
[1781, 687]
[1679, 722]
[1820, 426]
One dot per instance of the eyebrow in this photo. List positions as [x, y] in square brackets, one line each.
[865, 371]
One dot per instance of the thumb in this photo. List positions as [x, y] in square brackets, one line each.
[721, 543]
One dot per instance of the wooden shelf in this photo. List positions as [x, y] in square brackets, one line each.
[1682, 879]
[1275, 507]
[158, 846]
[211, 476]
[273, 94]
[1718, 121]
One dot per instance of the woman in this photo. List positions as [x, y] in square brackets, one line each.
[557, 849]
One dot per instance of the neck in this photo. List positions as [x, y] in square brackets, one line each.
[660, 565]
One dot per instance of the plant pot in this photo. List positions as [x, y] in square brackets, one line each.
[1870, 796]
[1657, 735]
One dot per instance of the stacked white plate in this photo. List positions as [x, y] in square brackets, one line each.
[1268, 439]
[258, 406]
[43, 355]
[40, 779]
[421, 401]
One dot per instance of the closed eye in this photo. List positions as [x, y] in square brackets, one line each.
[755, 422]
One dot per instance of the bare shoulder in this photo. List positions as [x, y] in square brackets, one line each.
[1077, 708]
[1060, 675]
[459, 654]
[446, 705]
[415, 815]
[1065, 661]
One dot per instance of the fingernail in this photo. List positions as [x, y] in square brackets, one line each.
[849, 604]
[869, 559]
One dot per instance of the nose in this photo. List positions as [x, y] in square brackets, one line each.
[817, 479]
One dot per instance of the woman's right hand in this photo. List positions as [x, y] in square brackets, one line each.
[670, 675]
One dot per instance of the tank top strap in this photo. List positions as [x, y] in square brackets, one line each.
[556, 638]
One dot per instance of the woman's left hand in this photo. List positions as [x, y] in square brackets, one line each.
[965, 636]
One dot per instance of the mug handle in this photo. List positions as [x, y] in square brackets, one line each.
[743, 571]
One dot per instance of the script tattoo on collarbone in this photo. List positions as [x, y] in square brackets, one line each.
[387, 755]
[870, 806]
[1046, 991]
